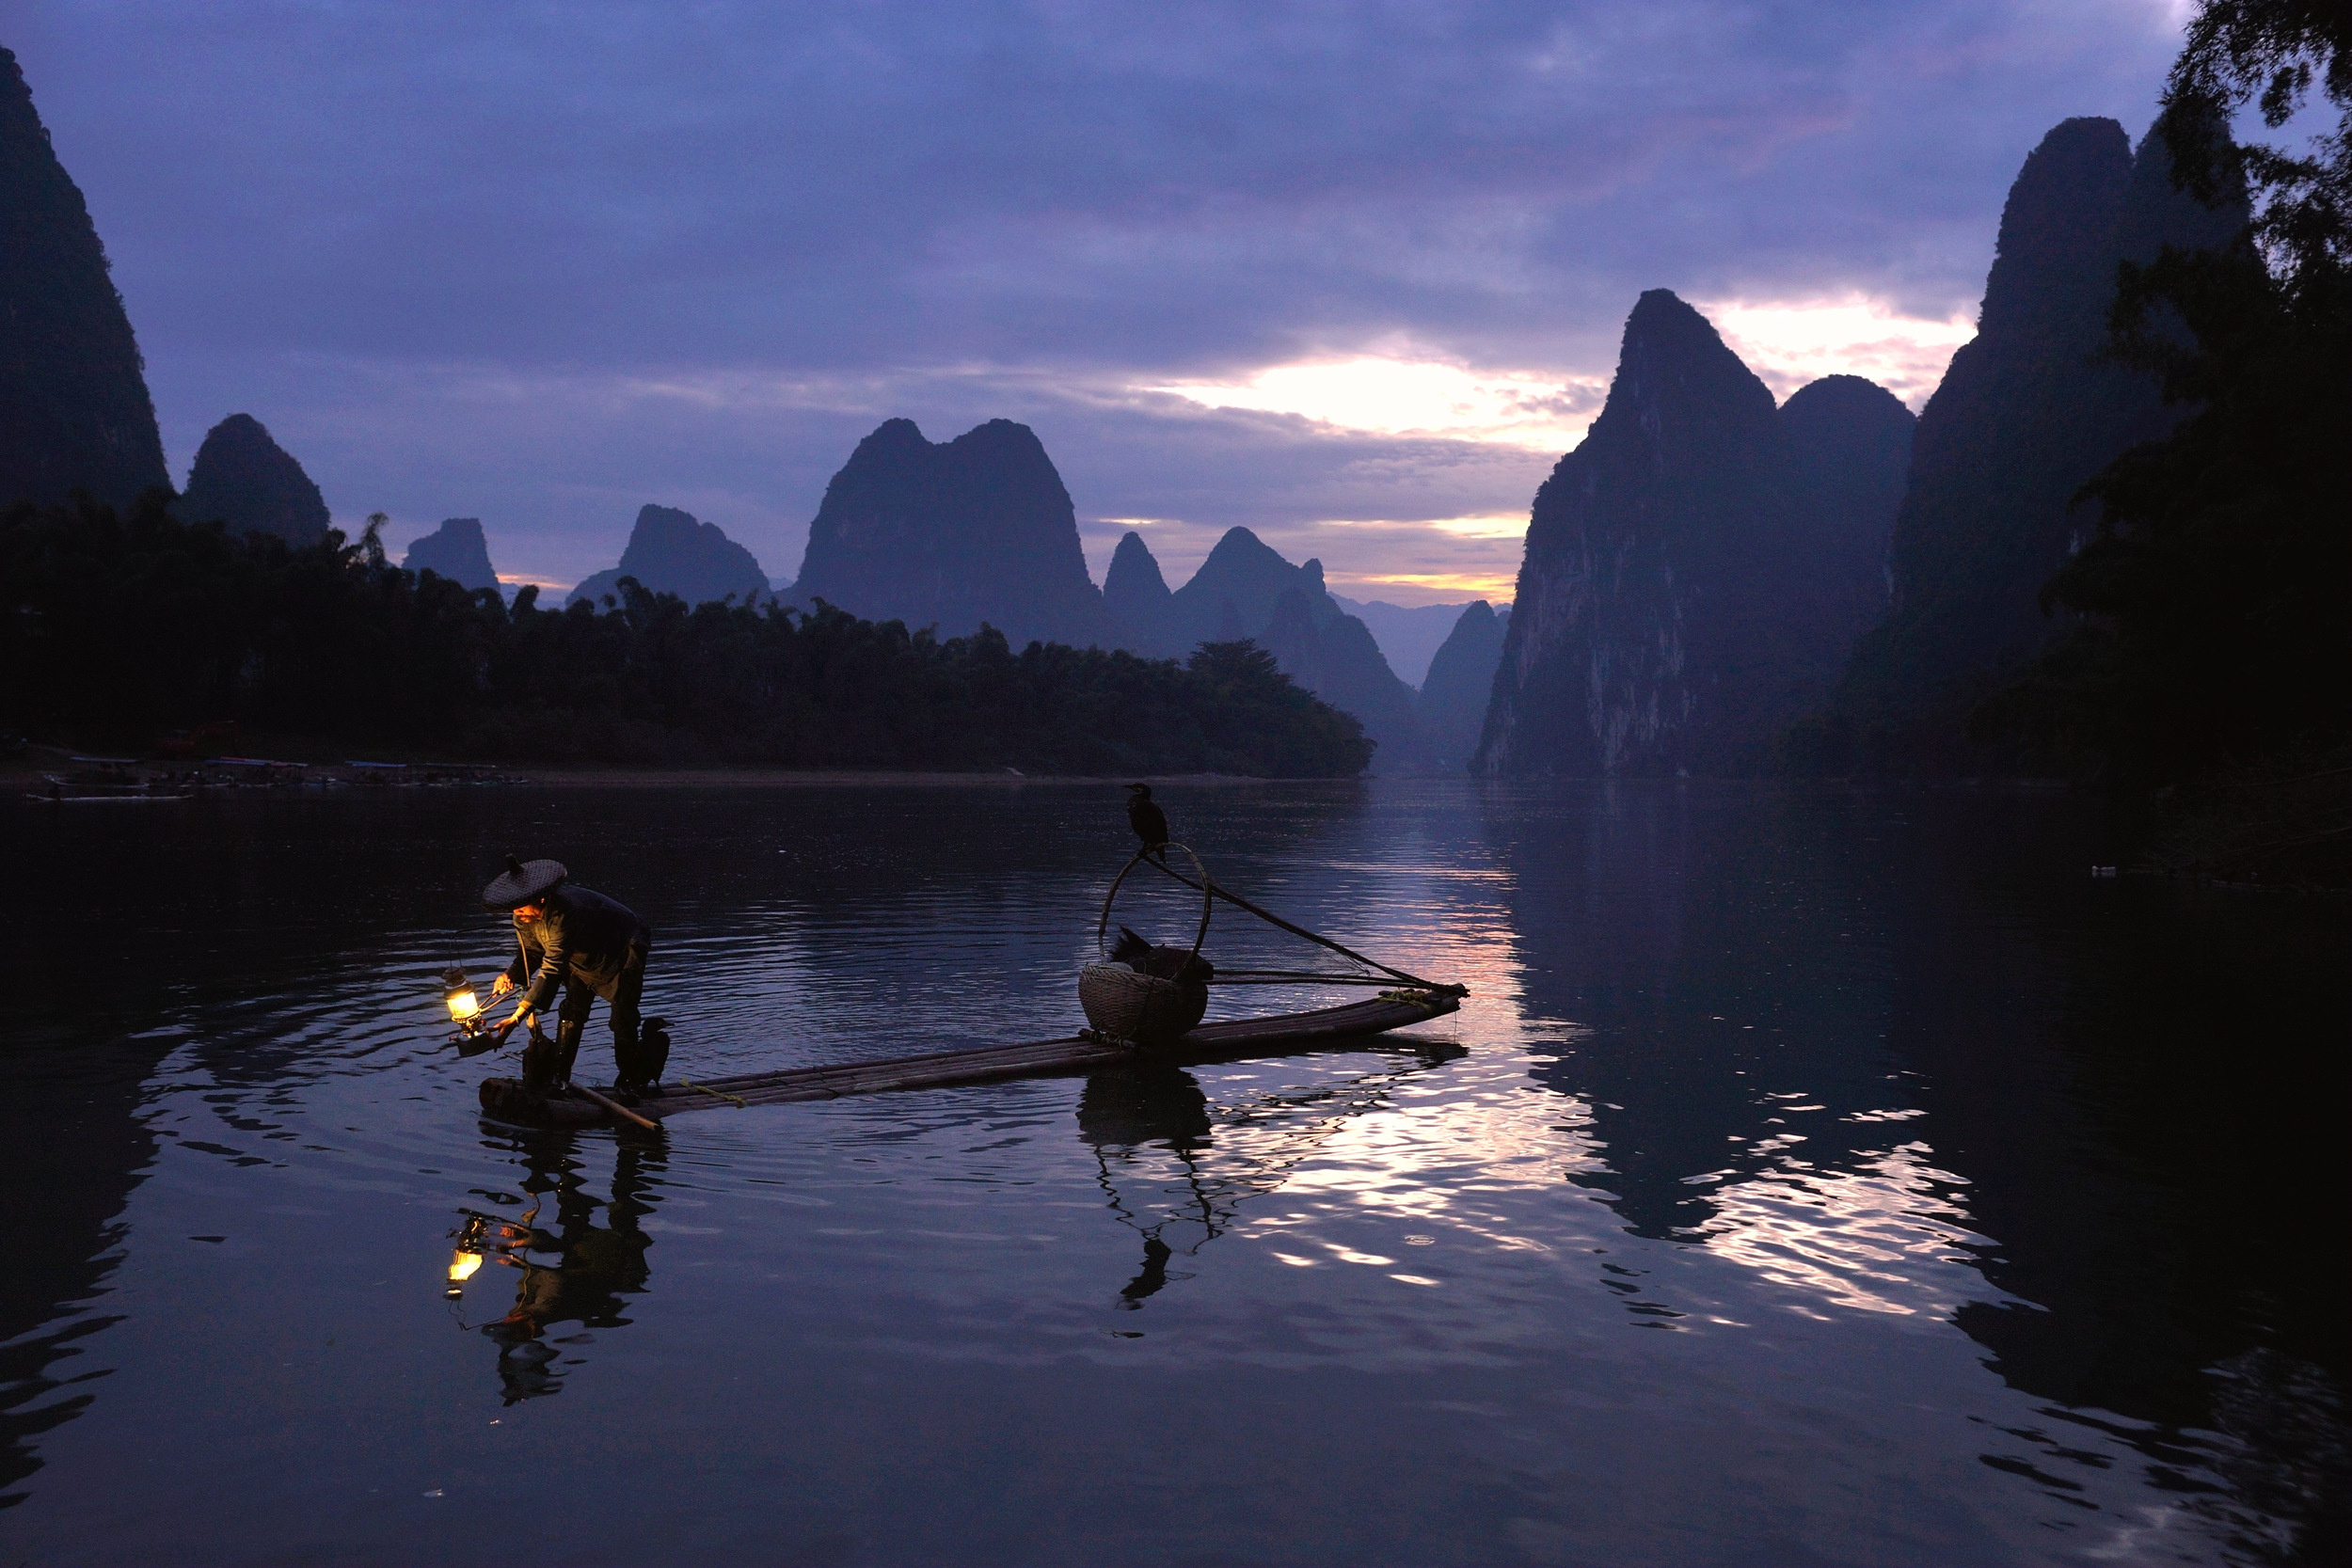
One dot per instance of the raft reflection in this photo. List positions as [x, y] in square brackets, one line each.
[1127, 1113]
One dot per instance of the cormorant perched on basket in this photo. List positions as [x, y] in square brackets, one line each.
[1180, 964]
[1148, 822]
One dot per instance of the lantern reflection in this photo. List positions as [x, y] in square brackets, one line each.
[476, 1236]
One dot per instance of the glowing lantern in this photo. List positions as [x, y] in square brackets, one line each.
[461, 1265]
[465, 1008]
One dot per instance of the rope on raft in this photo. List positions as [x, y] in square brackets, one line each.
[1208, 885]
[1291, 977]
[740, 1103]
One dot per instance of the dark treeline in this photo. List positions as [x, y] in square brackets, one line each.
[125, 626]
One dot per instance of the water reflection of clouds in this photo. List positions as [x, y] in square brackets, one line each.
[1881, 1238]
[1877, 1239]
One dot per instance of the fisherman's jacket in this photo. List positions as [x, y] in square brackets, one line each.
[581, 934]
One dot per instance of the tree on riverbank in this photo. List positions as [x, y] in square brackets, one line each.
[122, 625]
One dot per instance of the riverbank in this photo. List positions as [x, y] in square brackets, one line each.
[27, 772]
[783, 778]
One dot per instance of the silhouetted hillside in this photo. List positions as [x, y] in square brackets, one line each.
[1232, 593]
[2028, 413]
[1696, 568]
[1849, 445]
[242, 478]
[1245, 589]
[970, 531]
[1409, 635]
[2205, 668]
[1461, 679]
[672, 552]
[1137, 599]
[457, 551]
[74, 413]
[1338, 660]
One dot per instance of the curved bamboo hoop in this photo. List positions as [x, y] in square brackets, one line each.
[1208, 903]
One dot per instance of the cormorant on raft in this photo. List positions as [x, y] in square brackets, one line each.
[1180, 964]
[1148, 822]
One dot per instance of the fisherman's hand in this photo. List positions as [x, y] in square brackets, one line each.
[500, 986]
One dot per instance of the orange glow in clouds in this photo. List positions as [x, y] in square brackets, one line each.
[1789, 344]
[1396, 396]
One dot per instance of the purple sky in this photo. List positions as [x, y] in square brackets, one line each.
[1351, 275]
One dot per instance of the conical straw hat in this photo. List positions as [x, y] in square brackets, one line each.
[523, 883]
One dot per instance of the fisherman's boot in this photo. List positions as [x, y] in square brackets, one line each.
[567, 1033]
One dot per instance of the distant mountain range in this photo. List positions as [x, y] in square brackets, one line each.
[1461, 679]
[1712, 584]
[980, 531]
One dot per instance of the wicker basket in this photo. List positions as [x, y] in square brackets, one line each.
[1144, 1008]
[1127, 1005]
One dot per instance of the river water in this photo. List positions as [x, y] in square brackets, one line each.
[1810, 1177]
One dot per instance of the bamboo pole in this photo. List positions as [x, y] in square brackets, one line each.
[618, 1109]
[1273, 919]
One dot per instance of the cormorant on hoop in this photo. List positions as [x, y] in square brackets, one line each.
[1148, 822]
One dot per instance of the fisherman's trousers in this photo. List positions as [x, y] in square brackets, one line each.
[622, 993]
[585, 945]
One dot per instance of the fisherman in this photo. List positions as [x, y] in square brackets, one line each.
[591, 946]
[1148, 820]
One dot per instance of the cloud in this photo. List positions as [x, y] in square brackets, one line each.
[1789, 344]
[1403, 395]
[1288, 266]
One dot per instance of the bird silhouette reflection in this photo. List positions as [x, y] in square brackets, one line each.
[1128, 1109]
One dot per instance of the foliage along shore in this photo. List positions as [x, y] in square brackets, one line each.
[127, 625]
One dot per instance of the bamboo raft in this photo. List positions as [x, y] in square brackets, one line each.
[1283, 1033]
[1412, 999]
